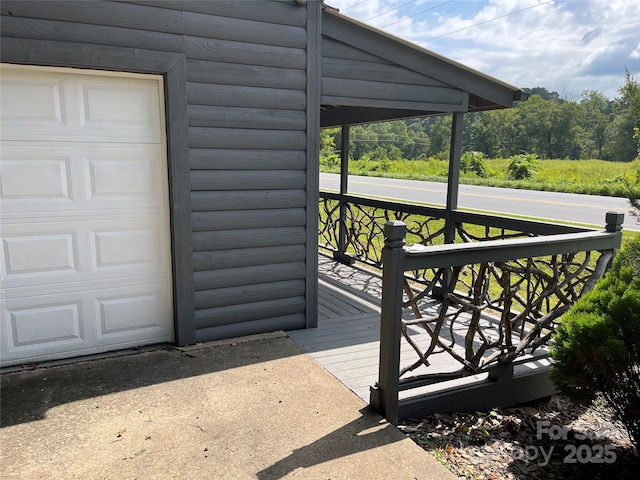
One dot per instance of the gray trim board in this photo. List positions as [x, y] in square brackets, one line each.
[173, 67]
[356, 115]
[314, 79]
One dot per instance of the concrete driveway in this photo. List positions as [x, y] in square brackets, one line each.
[251, 408]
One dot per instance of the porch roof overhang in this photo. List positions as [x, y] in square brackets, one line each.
[369, 76]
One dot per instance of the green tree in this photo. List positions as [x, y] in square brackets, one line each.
[623, 133]
[631, 94]
[533, 126]
[597, 111]
[566, 132]
[362, 140]
[495, 133]
[328, 155]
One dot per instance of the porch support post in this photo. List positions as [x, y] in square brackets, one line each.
[341, 254]
[453, 181]
[384, 396]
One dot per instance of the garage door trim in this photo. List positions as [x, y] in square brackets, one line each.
[173, 67]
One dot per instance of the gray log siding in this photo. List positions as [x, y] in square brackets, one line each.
[246, 95]
[246, 257]
[354, 78]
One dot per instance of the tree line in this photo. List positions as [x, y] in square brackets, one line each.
[545, 124]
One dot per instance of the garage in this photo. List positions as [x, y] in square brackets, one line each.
[84, 211]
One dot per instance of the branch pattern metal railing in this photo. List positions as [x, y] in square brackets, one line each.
[525, 297]
[501, 274]
[358, 232]
[520, 287]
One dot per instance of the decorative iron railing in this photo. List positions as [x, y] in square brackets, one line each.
[352, 228]
[503, 283]
[516, 291]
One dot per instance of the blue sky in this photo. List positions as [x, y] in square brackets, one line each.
[566, 46]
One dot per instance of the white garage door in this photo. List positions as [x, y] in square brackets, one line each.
[84, 213]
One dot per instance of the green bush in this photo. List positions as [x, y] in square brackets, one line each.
[522, 167]
[474, 162]
[596, 348]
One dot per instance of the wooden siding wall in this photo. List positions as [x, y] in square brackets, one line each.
[352, 77]
[247, 101]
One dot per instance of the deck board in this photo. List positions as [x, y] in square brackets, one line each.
[346, 341]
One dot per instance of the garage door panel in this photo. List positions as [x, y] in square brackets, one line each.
[84, 241]
[35, 179]
[37, 102]
[124, 314]
[39, 254]
[46, 324]
[120, 179]
[67, 177]
[125, 248]
[83, 322]
[43, 252]
[121, 108]
[52, 105]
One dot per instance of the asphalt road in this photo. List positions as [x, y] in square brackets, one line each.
[566, 207]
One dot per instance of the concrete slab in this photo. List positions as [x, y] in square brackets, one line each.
[243, 409]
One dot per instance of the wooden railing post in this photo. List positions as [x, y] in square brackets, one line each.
[384, 396]
[614, 221]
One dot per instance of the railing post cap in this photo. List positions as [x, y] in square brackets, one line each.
[395, 229]
[614, 221]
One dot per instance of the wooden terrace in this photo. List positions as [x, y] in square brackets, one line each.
[347, 340]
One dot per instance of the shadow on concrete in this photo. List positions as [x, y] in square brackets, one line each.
[364, 433]
[27, 395]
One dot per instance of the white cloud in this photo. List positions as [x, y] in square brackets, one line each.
[562, 45]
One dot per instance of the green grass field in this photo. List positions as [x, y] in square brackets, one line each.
[594, 177]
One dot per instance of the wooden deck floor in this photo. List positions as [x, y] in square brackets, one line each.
[347, 339]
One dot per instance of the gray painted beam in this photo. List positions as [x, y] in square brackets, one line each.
[379, 90]
[453, 179]
[314, 69]
[393, 104]
[502, 250]
[335, 117]
[382, 72]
